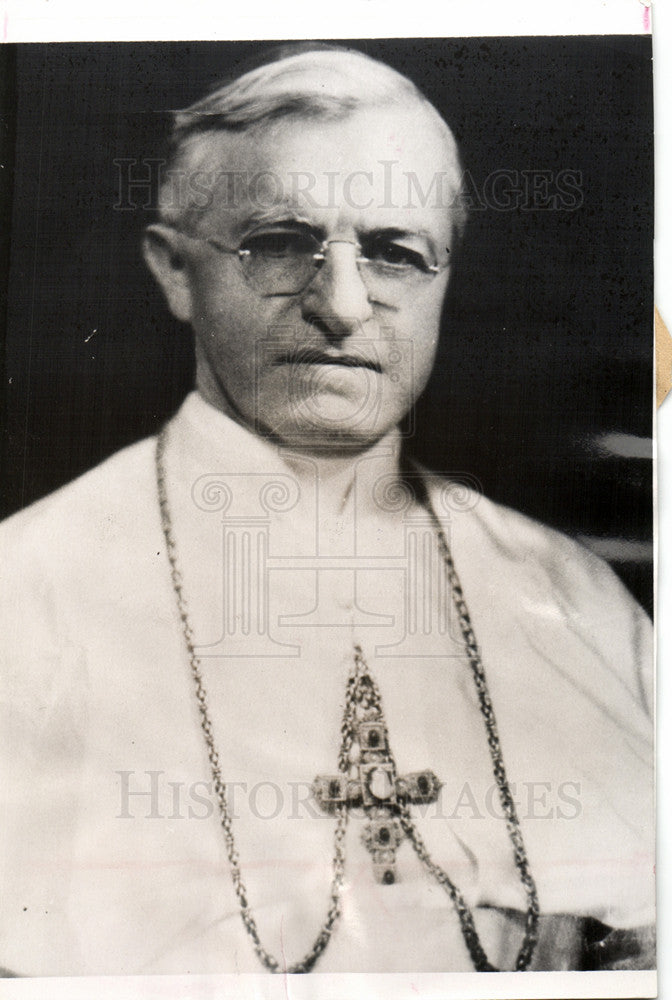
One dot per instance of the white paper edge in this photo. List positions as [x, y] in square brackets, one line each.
[74, 20]
[662, 61]
[370, 986]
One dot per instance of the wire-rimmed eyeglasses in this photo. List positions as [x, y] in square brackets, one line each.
[285, 262]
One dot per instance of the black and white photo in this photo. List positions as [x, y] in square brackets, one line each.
[327, 639]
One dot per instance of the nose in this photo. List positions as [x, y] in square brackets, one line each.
[337, 299]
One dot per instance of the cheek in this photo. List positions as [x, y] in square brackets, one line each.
[422, 332]
[231, 327]
[425, 354]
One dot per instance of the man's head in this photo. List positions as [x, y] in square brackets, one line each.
[308, 217]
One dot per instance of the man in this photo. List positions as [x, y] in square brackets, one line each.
[277, 698]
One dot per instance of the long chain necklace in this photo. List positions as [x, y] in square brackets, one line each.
[363, 695]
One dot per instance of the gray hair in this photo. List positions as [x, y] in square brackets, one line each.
[300, 81]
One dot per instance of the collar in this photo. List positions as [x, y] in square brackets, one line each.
[208, 443]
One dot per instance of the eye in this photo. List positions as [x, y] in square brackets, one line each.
[280, 244]
[395, 255]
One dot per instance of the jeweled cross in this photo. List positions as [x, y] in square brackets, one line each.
[370, 782]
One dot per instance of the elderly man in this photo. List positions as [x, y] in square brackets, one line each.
[278, 698]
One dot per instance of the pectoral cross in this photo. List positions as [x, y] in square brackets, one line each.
[368, 777]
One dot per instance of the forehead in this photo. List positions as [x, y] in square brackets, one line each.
[375, 168]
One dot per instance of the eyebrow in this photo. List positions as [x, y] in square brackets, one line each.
[275, 215]
[395, 233]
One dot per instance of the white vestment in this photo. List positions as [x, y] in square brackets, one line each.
[113, 856]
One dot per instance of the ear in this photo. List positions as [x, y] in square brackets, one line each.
[165, 260]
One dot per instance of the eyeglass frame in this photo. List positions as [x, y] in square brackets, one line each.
[430, 270]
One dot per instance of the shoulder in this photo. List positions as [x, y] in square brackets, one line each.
[526, 547]
[71, 561]
[515, 536]
[552, 588]
[86, 514]
[73, 556]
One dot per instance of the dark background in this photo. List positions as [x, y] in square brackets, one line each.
[547, 345]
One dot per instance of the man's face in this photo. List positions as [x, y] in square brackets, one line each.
[334, 366]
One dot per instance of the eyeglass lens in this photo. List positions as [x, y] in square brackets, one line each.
[284, 263]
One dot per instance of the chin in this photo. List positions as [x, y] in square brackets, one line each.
[334, 422]
[332, 439]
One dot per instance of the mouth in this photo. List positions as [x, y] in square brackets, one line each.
[313, 356]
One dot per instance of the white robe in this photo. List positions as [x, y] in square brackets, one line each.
[308, 558]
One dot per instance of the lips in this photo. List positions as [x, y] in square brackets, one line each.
[313, 356]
